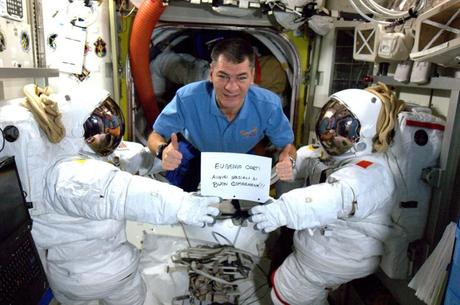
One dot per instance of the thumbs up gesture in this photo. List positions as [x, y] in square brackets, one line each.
[172, 157]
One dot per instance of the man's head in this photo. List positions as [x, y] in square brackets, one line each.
[235, 50]
[232, 72]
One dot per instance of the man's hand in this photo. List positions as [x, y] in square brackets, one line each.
[285, 166]
[284, 169]
[172, 157]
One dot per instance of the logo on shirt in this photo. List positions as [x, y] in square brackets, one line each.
[250, 133]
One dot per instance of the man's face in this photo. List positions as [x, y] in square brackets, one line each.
[231, 82]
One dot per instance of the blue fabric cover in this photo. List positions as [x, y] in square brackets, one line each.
[453, 287]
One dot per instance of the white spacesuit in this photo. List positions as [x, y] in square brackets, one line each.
[81, 202]
[342, 216]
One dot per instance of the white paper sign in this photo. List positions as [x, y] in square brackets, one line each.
[71, 49]
[235, 176]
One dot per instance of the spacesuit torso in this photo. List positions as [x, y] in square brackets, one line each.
[342, 216]
[372, 182]
[351, 232]
[91, 231]
[81, 202]
[79, 234]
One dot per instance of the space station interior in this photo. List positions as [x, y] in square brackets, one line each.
[345, 195]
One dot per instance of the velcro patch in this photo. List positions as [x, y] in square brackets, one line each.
[364, 163]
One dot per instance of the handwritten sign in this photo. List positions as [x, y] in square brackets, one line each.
[235, 176]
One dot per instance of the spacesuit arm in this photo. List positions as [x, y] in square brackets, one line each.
[304, 154]
[135, 159]
[98, 190]
[154, 202]
[180, 68]
[353, 191]
[302, 208]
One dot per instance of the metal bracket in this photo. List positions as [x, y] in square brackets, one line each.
[432, 176]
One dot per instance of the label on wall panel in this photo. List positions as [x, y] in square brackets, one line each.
[71, 48]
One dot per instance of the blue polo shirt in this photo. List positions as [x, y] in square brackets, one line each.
[195, 113]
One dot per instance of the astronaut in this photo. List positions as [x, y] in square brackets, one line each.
[342, 215]
[81, 202]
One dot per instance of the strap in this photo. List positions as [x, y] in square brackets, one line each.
[272, 280]
[45, 111]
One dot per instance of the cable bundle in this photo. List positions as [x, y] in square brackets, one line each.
[381, 12]
[215, 272]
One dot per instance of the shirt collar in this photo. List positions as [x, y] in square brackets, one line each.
[214, 108]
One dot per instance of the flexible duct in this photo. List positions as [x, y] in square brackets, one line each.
[144, 23]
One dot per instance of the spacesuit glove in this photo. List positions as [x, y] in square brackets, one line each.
[268, 217]
[303, 208]
[135, 158]
[197, 210]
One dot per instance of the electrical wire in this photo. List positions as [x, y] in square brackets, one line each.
[247, 300]
[185, 235]
[206, 265]
[363, 4]
[215, 234]
[360, 12]
[130, 12]
[81, 15]
[281, 6]
[381, 13]
[243, 302]
[215, 271]
[393, 13]
[3, 139]
[236, 235]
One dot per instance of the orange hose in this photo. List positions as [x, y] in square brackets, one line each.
[146, 18]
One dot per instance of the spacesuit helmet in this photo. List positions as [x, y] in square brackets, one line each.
[93, 121]
[104, 128]
[347, 123]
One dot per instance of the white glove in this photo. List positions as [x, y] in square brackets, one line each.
[197, 210]
[302, 208]
[268, 217]
[135, 158]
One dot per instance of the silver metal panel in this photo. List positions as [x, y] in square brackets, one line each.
[184, 12]
[442, 198]
[17, 49]
[28, 72]
[441, 83]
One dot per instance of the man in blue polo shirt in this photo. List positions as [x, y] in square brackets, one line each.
[225, 114]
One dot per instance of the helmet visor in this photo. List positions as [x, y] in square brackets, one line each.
[337, 128]
[105, 127]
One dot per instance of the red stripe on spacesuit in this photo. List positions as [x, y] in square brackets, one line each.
[425, 125]
[272, 280]
[364, 163]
